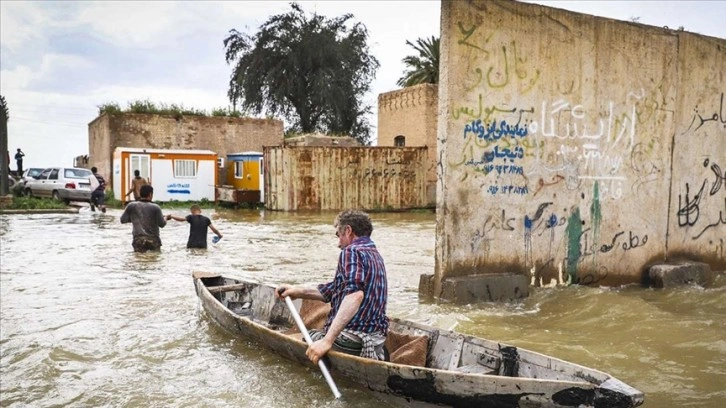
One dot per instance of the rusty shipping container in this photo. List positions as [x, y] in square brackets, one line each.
[335, 178]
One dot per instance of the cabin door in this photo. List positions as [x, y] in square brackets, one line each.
[142, 163]
[262, 181]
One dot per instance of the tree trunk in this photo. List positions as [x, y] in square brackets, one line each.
[4, 153]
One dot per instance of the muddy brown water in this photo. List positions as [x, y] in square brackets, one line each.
[84, 321]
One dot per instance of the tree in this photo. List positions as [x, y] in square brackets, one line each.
[424, 68]
[313, 71]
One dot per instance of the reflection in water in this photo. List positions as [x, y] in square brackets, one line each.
[85, 321]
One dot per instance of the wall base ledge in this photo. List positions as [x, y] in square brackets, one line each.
[674, 274]
[484, 288]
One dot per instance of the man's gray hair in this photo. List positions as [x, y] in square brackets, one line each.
[358, 221]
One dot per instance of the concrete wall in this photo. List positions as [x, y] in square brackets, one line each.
[335, 178]
[222, 135]
[101, 146]
[697, 209]
[413, 113]
[559, 135]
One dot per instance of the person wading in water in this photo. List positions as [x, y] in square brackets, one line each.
[136, 184]
[146, 218]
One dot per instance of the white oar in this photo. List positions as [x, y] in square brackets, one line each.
[308, 340]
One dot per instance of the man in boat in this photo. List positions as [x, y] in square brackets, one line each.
[357, 323]
[146, 218]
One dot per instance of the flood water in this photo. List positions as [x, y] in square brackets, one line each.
[85, 321]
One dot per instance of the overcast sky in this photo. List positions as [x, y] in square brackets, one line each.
[60, 60]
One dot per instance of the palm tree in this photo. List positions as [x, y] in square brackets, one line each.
[424, 68]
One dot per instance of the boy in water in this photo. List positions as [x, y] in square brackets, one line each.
[197, 227]
[98, 196]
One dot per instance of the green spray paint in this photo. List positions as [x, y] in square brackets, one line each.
[574, 231]
[595, 218]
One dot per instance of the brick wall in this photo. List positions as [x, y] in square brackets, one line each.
[413, 113]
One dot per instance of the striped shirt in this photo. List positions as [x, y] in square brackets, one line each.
[360, 267]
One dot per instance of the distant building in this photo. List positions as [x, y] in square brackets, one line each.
[408, 117]
[81, 161]
[222, 135]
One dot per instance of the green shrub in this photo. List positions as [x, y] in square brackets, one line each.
[32, 203]
[174, 204]
[177, 111]
[110, 200]
[226, 112]
[109, 108]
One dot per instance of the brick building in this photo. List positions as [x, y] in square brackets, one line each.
[409, 117]
[222, 135]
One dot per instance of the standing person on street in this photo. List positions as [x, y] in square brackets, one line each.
[98, 196]
[136, 184]
[198, 224]
[357, 323]
[19, 161]
[146, 218]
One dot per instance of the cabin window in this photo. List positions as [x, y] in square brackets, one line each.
[239, 170]
[185, 168]
[399, 141]
[220, 162]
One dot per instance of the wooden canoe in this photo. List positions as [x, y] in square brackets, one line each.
[457, 370]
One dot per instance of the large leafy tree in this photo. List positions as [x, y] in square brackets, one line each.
[424, 67]
[313, 71]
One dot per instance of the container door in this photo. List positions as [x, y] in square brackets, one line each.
[142, 163]
[262, 181]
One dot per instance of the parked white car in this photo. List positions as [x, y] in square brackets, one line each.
[29, 174]
[62, 183]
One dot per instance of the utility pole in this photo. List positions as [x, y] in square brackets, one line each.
[4, 153]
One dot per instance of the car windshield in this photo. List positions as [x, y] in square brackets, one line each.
[34, 172]
[77, 173]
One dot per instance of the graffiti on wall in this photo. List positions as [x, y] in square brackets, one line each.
[689, 202]
[559, 140]
[718, 117]
[699, 204]
[178, 188]
[566, 237]
[522, 149]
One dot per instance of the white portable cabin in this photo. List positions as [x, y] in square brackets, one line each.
[176, 175]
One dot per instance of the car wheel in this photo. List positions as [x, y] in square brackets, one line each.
[28, 192]
[56, 196]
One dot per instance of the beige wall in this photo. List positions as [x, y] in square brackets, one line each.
[413, 113]
[697, 213]
[100, 146]
[555, 134]
[222, 135]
